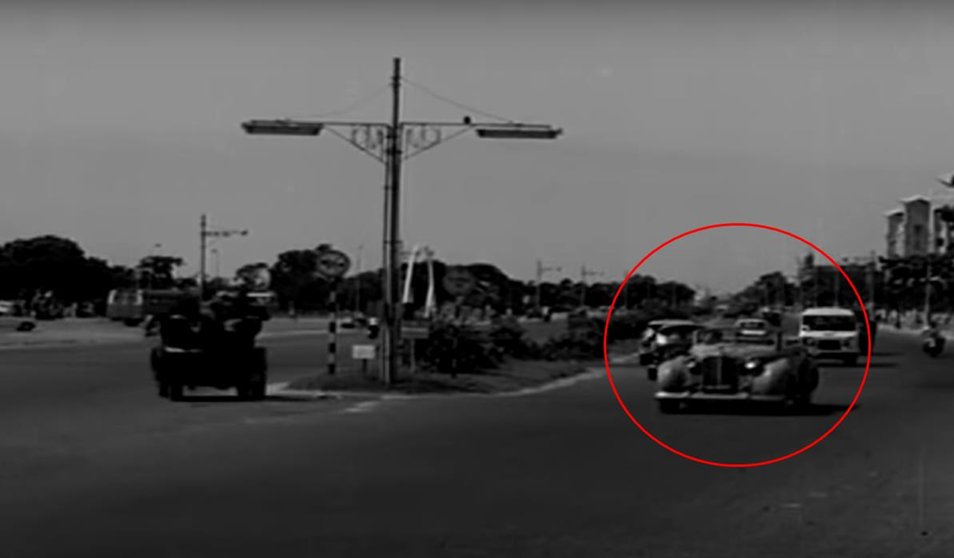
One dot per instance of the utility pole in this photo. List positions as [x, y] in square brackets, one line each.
[357, 283]
[204, 233]
[202, 236]
[584, 274]
[927, 290]
[541, 270]
[392, 143]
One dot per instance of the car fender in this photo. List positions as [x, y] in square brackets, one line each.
[673, 375]
[776, 378]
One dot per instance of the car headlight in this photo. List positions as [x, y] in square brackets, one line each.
[753, 366]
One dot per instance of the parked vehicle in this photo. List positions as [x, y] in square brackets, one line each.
[719, 368]
[831, 333]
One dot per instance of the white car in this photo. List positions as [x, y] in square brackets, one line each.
[6, 308]
[831, 333]
[752, 329]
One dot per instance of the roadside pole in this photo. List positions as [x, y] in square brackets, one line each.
[332, 265]
[333, 329]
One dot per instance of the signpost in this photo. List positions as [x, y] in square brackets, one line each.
[332, 265]
[364, 353]
[458, 282]
[413, 335]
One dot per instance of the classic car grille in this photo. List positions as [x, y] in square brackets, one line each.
[720, 374]
[829, 345]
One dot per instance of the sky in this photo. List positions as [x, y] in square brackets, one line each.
[120, 126]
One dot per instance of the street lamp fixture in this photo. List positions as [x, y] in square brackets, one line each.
[519, 131]
[947, 179]
[282, 127]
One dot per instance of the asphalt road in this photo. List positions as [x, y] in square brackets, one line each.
[94, 464]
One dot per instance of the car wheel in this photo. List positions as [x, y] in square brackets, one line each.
[163, 390]
[668, 406]
[800, 402]
[652, 373]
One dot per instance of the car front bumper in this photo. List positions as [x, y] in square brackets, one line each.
[704, 396]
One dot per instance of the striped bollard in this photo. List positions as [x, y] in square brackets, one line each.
[333, 331]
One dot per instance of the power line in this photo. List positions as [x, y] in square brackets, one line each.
[457, 104]
[360, 103]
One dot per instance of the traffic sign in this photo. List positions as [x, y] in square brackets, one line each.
[332, 264]
[362, 352]
[458, 281]
[415, 332]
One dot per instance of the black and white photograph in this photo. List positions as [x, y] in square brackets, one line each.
[427, 279]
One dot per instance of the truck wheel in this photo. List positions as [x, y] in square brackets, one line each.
[155, 359]
[258, 389]
[254, 387]
[175, 391]
[668, 406]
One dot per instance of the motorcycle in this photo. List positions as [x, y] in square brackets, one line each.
[933, 346]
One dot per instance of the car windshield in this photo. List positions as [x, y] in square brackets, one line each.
[829, 323]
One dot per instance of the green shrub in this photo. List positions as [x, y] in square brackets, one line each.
[453, 348]
[510, 338]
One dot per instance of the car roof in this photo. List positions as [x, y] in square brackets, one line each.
[672, 322]
[828, 312]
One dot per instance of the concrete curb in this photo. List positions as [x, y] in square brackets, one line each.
[280, 390]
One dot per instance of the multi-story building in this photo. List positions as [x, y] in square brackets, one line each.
[918, 228]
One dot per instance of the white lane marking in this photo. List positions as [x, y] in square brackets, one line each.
[363, 407]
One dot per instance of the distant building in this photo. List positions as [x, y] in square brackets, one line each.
[918, 228]
[895, 236]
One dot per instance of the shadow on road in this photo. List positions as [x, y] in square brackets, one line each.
[226, 398]
[861, 365]
[755, 409]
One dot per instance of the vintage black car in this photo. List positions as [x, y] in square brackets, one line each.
[719, 368]
[211, 350]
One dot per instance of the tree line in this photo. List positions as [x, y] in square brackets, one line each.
[58, 268]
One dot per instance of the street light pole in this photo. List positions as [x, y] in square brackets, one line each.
[391, 143]
[392, 306]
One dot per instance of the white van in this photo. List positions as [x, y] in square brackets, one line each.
[831, 333]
